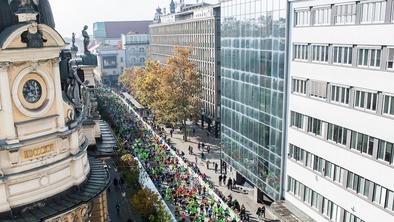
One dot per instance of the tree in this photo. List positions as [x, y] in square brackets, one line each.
[171, 91]
[145, 202]
[129, 76]
[130, 172]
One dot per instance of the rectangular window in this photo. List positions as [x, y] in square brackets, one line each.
[320, 53]
[340, 94]
[338, 174]
[392, 13]
[369, 57]
[318, 164]
[348, 217]
[297, 120]
[362, 143]
[315, 126]
[330, 210]
[302, 17]
[389, 200]
[373, 12]
[345, 14]
[358, 184]
[388, 105]
[337, 134]
[390, 58]
[342, 55]
[301, 52]
[299, 86]
[386, 151]
[379, 195]
[322, 16]
[318, 89]
[365, 100]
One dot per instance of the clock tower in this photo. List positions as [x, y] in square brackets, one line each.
[43, 151]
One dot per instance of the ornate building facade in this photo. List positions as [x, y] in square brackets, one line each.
[45, 171]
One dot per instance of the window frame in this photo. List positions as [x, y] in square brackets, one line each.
[390, 49]
[345, 16]
[299, 84]
[297, 20]
[341, 132]
[368, 59]
[301, 49]
[390, 105]
[341, 54]
[327, 13]
[362, 143]
[371, 19]
[339, 93]
[321, 54]
[317, 88]
[315, 126]
[363, 104]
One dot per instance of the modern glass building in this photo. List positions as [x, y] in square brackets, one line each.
[253, 91]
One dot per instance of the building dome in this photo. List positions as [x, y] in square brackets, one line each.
[8, 17]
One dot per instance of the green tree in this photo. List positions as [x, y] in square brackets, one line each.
[130, 172]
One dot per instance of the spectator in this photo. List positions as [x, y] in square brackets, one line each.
[216, 168]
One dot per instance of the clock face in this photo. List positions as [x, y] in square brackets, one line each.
[32, 91]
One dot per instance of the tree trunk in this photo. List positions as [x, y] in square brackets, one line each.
[184, 130]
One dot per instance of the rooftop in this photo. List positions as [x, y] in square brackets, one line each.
[114, 29]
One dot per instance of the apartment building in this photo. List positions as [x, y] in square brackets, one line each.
[341, 110]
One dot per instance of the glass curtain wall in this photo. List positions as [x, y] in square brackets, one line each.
[253, 89]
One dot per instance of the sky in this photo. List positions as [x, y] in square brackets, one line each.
[72, 15]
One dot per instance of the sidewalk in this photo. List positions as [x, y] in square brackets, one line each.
[115, 197]
[213, 157]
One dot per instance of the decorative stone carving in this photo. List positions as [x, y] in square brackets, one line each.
[32, 37]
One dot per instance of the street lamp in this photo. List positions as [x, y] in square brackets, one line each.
[221, 157]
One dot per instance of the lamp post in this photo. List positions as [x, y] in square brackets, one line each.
[221, 157]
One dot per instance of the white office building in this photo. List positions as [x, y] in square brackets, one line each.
[341, 110]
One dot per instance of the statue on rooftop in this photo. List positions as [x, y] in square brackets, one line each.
[86, 40]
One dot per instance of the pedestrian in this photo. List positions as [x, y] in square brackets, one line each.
[220, 179]
[224, 178]
[208, 148]
[263, 211]
[230, 184]
[191, 150]
[216, 167]
[171, 132]
[196, 159]
[208, 164]
[199, 146]
[243, 212]
[117, 206]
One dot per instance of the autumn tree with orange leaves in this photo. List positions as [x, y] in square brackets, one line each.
[171, 91]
